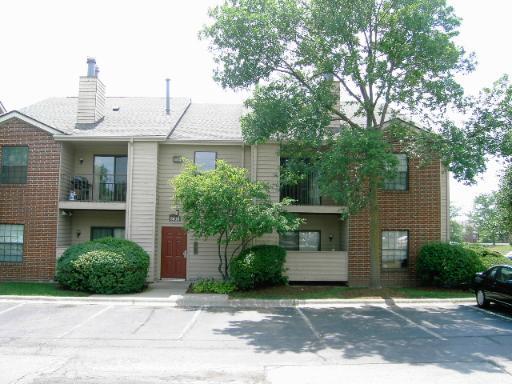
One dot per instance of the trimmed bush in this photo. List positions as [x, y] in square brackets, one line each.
[213, 286]
[106, 265]
[259, 266]
[447, 265]
[488, 258]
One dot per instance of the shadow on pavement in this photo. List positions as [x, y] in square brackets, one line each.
[372, 334]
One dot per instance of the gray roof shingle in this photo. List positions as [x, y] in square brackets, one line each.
[210, 122]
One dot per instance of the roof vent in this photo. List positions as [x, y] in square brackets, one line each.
[115, 108]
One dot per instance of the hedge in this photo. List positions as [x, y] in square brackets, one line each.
[447, 265]
[259, 266]
[107, 265]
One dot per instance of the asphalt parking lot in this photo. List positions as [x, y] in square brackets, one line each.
[84, 343]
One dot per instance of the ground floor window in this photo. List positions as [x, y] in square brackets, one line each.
[11, 242]
[100, 232]
[300, 241]
[395, 249]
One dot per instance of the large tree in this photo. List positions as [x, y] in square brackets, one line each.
[488, 218]
[388, 56]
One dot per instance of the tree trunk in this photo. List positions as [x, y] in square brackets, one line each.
[375, 236]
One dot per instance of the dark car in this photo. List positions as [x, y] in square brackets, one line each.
[495, 285]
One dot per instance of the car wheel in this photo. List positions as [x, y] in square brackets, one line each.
[481, 299]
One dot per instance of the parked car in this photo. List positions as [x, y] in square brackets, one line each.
[494, 285]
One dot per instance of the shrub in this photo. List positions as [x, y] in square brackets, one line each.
[488, 257]
[447, 265]
[259, 266]
[104, 266]
[213, 286]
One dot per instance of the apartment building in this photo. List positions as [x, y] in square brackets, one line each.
[79, 168]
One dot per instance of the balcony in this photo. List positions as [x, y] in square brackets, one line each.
[88, 191]
[305, 192]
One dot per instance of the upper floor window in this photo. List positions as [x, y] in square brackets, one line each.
[14, 165]
[11, 242]
[400, 181]
[205, 161]
[395, 249]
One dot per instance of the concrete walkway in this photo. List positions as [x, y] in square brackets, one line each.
[173, 293]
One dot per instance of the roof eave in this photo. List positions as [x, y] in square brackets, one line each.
[30, 120]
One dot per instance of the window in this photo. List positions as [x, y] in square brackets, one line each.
[101, 232]
[11, 242]
[300, 241]
[395, 250]
[14, 165]
[399, 182]
[205, 161]
[504, 274]
[110, 177]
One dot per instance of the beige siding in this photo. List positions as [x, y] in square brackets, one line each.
[64, 222]
[83, 221]
[204, 264]
[141, 205]
[445, 204]
[317, 266]
[266, 164]
[91, 100]
[66, 168]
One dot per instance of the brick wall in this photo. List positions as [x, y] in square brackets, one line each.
[34, 204]
[417, 210]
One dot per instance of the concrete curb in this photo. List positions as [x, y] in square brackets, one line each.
[205, 300]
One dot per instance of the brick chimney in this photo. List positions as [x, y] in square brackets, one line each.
[91, 96]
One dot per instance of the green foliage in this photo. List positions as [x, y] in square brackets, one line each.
[225, 204]
[388, 56]
[259, 266]
[504, 199]
[447, 265]
[487, 218]
[213, 286]
[106, 265]
[488, 257]
[456, 228]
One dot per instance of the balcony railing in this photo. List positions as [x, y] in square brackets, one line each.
[104, 187]
[306, 192]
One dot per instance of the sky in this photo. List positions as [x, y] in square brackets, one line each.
[137, 44]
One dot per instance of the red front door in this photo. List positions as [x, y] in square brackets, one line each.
[174, 246]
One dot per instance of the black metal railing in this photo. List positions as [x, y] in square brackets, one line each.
[305, 192]
[104, 187]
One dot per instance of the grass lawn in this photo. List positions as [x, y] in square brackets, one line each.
[36, 289]
[503, 249]
[335, 292]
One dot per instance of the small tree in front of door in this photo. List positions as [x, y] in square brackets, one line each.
[223, 203]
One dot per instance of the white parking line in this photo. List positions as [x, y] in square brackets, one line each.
[95, 315]
[424, 329]
[190, 324]
[309, 324]
[491, 313]
[11, 308]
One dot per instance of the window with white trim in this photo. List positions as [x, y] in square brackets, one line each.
[14, 165]
[400, 181]
[11, 242]
[205, 161]
[395, 249]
